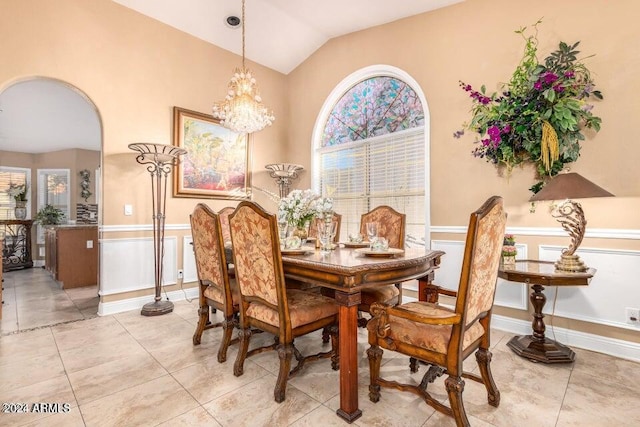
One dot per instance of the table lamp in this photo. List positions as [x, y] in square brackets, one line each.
[569, 213]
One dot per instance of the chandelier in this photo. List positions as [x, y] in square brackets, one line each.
[242, 110]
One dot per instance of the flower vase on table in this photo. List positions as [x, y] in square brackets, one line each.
[301, 231]
[20, 210]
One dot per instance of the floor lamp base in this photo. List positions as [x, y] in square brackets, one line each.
[157, 308]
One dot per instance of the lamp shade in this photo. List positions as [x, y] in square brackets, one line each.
[569, 186]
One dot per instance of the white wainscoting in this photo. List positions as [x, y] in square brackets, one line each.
[128, 264]
[508, 294]
[616, 285]
[188, 260]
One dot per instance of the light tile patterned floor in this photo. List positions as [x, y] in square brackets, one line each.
[129, 370]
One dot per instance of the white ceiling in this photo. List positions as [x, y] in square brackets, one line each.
[271, 24]
[44, 115]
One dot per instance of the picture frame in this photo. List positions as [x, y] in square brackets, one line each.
[217, 162]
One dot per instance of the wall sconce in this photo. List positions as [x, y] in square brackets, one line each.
[160, 160]
[284, 174]
[569, 213]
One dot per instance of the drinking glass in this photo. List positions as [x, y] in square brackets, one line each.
[372, 231]
[326, 233]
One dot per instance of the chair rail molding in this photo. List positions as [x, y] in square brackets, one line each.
[601, 233]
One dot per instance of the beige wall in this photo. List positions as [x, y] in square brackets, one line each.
[474, 41]
[134, 69]
[75, 160]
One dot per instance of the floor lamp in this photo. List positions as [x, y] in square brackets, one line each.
[160, 160]
[284, 174]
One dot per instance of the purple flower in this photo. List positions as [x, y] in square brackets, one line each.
[485, 142]
[537, 85]
[549, 77]
[558, 88]
[507, 129]
[494, 133]
[569, 74]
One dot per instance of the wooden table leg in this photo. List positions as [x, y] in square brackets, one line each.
[538, 347]
[348, 315]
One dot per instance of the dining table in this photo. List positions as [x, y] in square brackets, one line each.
[347, 271]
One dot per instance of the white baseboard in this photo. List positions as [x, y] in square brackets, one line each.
[614, 347]
[107, 308]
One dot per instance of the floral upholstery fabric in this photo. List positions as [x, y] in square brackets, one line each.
[385, 294]
[304, 307]
[215, 293]
[253, 254]
[391, 225]
[224, 223]
[485, 261]
[430, 337]
[206, 247]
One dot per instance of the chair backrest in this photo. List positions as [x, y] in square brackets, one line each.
[257, 258]
[391, 225]
[313, 229]
[208, 245]
[483, 248]
[224, 221]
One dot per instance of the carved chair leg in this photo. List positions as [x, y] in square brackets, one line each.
[203, 319]
[483, 357]
[375, 357]
[455, 387]
[244, 335]
[227, 330]
[325, 335]
[413, 365]
[285, 352]
[362, 321]
[335, 347]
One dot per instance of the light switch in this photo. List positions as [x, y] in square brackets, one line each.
[89, 244]
[128, 210]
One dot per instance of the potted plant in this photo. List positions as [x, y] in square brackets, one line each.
[49, 215]
[19, 194]
[537, 117]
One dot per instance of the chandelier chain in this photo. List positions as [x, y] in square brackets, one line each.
[243, 27]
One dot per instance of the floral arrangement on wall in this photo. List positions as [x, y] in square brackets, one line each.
[85, 182]
[539, 116]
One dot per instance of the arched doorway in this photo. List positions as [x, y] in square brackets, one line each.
[50, 131]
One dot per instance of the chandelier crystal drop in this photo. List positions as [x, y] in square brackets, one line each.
[242, 110]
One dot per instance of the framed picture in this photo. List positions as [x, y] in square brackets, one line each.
[217, 161]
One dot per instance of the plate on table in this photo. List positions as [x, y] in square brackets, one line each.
[356, 244]
[299, 251]
[391, 252]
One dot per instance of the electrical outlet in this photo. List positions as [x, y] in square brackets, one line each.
[632, 315]
[180, 274]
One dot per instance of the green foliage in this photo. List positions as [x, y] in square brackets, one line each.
[557, 91]
[49, 215]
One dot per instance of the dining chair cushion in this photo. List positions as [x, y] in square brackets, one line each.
[304, 307]
[430, 337]
[215, 293]
[385, 294]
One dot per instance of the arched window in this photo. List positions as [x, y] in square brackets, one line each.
[371, 149]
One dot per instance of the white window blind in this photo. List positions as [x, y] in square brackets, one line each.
[53, 189]
[8, 176]
[383, 170]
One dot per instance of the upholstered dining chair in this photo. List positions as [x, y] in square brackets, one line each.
[265, 302]
[224, 221]
[313, 230]
[441, 336]
[216, 289]
[391, 226]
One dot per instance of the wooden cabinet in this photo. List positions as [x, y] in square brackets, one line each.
[71, 255]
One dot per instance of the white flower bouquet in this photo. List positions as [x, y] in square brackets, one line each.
[298, 207]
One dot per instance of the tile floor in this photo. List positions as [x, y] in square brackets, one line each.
[129, 370]
[32, 299]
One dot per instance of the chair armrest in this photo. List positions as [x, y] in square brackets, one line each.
[383, 311]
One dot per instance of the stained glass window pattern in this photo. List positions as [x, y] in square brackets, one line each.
[376, 106]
